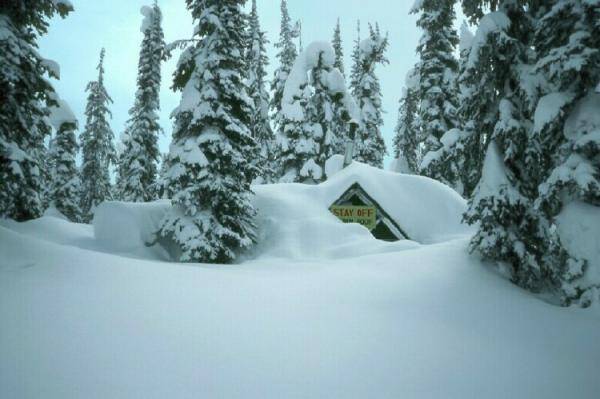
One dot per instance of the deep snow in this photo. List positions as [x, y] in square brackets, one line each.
[425, 322]
[320, 310]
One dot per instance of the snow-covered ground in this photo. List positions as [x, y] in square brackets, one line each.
[404, 320]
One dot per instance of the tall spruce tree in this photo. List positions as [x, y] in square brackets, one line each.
[437, 70]
[339, 125]
[356, 67]
[370, 144]
[138, 159]
[209, 169]
[260, 126]
[499, 61]
[286, 56]
[25, 95]
[406, 139]
[565, 149]
[97, 143]
[338, 47]
[64, 188]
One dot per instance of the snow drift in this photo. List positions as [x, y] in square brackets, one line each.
[294, 220]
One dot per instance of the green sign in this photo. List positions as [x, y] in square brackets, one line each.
[365, 215]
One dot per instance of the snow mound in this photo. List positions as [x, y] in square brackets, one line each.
[294, 220]
[128, 227]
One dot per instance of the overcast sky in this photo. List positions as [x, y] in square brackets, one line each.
[75, 43]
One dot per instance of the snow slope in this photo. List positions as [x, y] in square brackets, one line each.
[426, 322]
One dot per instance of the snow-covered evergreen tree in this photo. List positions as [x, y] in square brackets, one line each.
[209, 163]
[139, 155]
[462, 149]
[338, 47]
[64, 188]
[566, 134]
[437, 70]
[97, 144]
[315, 89]
[286, 56]
[499, 61]
[406, 139]
[25, 94]
[370, 146]
[260, 126]
[339, 126]
[355, 70]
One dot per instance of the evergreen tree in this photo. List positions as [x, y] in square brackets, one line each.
[406, 140]
[565, 150]
[97, 146]
[503, 208]
[315, 89]
[286, 56]
[25, 95]
[338, 48]
[356, 66]
[139, 156]
[437, 67]
[339, 126]
[370, 144]
[260, 126]
[460, 156]
[209, 169]
[64, 188]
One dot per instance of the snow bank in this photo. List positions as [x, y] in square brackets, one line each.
[127, 227]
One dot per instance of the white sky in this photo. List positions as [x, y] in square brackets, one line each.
[75, 43]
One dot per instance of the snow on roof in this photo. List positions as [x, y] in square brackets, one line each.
[295, 221]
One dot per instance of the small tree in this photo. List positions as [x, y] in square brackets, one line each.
[97, 147]
[65, 187]
[406, 140]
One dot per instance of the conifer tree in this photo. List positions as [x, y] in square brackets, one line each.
[437, 67]
[339, 126]
[286, 56]
[370, 144]
[209, 169]
[314, 90]
[97, 146]
[338, 47]
[25, 95]
[64, 188]
[502, 204]
[138, 159]
[565, 148]
[406, 140]
[260, 126]
[356, 67]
